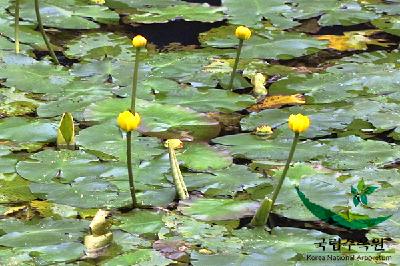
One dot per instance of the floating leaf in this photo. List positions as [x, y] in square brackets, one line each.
[202, 157]
[227, 181]
[64, 165]
[189, 12]
[218, 209]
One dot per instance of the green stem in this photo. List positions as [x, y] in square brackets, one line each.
[180, 187]
[129, 164]
[267, 205]
[180, 176]
[16, 25]
[46, 40]
[238, 51]
[135, 80]
[285, 170]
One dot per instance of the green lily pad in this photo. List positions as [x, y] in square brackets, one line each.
[70, 14]
[139, 257]
[324, 120]
[82, 193]
[185, 67]
[38, 77]
[202, 157]
[389, 24]
[27, 130]
[107, 141]
[44, 233]
[206, 100]
[64, 165]
[99, 45]
[355, 153]
[74, 99]
[257, 10]
[157, 119]
[271, 45]
[218, 209]
[256, 148]
[342, 82]
[189, 12]
[141, 222]
[224, 182]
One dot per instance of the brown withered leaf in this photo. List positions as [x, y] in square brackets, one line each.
[276, 101]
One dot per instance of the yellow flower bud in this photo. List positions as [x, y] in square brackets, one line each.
[243, 33]
[299, 123]
[139, 41]
[128, 121]
[174, 143]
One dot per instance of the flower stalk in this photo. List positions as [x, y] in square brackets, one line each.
[16, 26]
[130, 120]
[235, 65]
[180, 186]
[46, 40]
[129, 135]
[135, 80]
[130, 172]
[297, 123]
[242, 33]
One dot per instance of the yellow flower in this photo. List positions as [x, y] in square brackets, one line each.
[264, 130]
[243, 33]
[128, 121]
[174, 143]
[99, 2]
[299, 123]
[139, 41]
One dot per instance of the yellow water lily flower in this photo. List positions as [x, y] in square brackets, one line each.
[264, 130]
[174, 143]
[243, 33]
[139, 41]
[299, 123]
[99, 2]
[128, 121]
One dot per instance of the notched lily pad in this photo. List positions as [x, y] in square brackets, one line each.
[218, 209]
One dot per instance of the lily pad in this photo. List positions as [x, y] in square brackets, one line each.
[44, 233]
[189, 12]
[141, 222]
[70, 14]
[27, 130]
[225, 182]
[52, 166]
[107, 141]
[218, 209]
[157, 119]
[82, 193]
[202, 157]
[139, 257]
[256, 148]
[257, 10]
